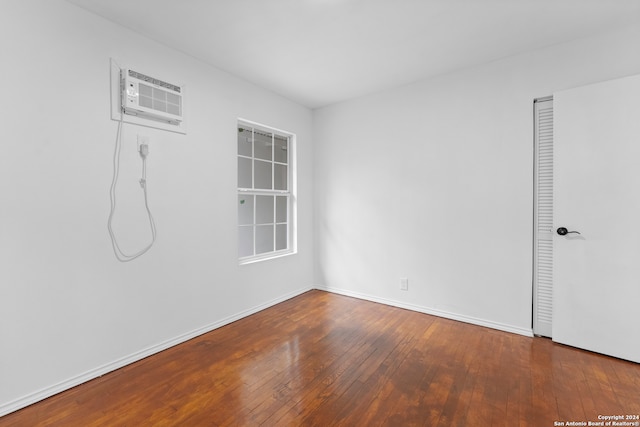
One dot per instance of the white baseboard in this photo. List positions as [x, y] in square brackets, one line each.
[46, 392]
[434, 312]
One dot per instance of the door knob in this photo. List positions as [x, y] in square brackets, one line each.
[562, 231]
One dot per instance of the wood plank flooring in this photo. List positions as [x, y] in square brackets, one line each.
[322, 359]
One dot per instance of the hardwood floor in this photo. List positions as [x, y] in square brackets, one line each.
[322, 359]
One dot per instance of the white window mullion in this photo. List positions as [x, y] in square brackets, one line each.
[253, 161]
[254, 225]
[273, 167]
[275, 221]
[290, 222]
[253, 185]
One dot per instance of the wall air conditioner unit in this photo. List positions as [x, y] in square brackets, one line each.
[151, 98]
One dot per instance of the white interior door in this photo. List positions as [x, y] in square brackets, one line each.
[596, 297]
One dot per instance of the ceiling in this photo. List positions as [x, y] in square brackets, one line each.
[319, 52]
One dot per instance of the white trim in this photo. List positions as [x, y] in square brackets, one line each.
[266, 256]
[46, 392]
[263, 128]
[290, 192]
[426, 310]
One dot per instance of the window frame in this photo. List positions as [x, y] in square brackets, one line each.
[290, 193]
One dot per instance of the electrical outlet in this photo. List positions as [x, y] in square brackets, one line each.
[142, 140]
[404, 284]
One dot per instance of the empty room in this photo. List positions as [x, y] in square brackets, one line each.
[320, 212]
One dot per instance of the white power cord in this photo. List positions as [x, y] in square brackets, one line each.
[144, 151]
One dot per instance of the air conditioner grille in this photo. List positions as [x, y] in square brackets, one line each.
[159, 100]
[154, 81]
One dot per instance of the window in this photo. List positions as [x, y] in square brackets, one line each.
[265, 196]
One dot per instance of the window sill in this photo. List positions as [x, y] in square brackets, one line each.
[266, 257]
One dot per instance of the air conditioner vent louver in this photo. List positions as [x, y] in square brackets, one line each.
[151, 98]
[156, 82]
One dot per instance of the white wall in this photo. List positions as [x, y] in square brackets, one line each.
[430, 181]
[68, 309]
[433, 182]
